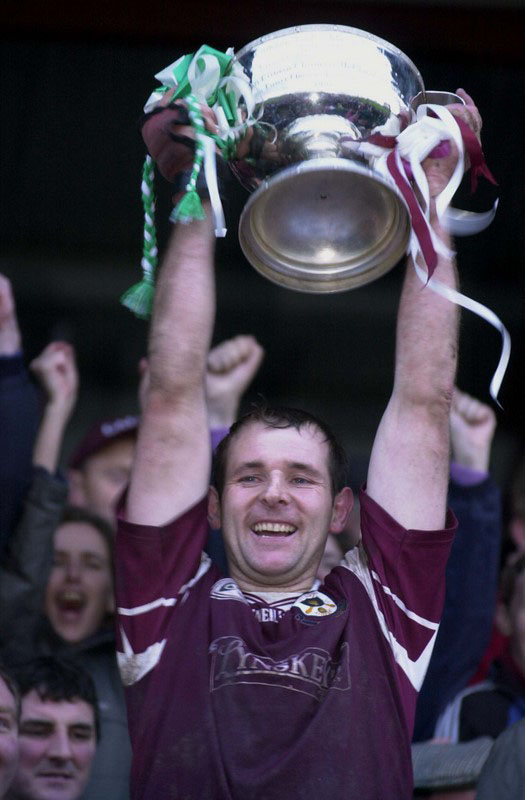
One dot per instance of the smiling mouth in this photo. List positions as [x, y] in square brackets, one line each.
[56, 776]
[273, 529]
[71, 601]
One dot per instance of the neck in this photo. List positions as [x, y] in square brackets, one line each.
[277, 584]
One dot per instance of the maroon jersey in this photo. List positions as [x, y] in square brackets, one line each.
[236, 696]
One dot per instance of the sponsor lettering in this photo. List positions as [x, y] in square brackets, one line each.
[266, 614]
[313, 670]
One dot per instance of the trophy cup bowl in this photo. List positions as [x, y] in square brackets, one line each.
[320, 219]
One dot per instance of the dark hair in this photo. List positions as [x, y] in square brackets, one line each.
[509, 577]
[77, 514]
[12, 687]
[284, 417]
[57, 679]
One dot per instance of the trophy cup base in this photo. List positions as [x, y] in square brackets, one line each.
[323, 226]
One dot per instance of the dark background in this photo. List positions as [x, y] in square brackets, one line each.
[73, 83]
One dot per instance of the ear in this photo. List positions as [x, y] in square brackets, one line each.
[341, 508]
[214, 509]
[503, 620]
[77, 494]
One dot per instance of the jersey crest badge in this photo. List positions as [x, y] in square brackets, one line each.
[315, 604]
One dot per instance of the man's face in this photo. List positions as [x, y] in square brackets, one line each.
[99, 482]
[8, 737]
[277, 506]
[57, 745]
[79, 590]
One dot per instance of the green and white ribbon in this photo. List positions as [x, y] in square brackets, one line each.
[214, 78]
[208, 77]
[190, 206]
[139, 298]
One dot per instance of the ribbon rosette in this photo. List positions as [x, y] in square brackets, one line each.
[208, 77]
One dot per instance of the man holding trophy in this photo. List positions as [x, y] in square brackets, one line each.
[269, 685]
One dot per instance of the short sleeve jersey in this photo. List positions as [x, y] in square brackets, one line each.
[233, 696]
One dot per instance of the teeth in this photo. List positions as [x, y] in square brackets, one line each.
[71, 596]
[71, 600]
[273, 527]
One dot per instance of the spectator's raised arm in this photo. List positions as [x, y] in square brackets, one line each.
[231, 367]
[56, 370]
[18, 416]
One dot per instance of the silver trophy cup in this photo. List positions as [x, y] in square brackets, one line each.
[320, 219]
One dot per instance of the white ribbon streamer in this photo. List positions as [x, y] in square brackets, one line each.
[444, 198]
[452, 131]
[482, 311]
[466, 223]
[203, 79]
[210, 172]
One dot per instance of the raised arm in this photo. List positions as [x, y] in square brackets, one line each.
[173, 455]
[56, 370]
[408, 473]
[18, 416]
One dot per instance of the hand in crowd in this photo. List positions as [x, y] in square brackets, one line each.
[10, 338]
[56, 370]
[232, 365]
[472, 427]
[439, 170]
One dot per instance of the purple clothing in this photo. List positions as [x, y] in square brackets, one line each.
[231, 697]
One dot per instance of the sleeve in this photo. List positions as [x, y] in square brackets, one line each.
[18, 427]
[154, 568]
[471, 586]
[26, 568]
[403, 573]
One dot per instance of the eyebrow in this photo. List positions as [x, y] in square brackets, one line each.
[304, 467]
[47, 724]
[83, 727]
[248, 465]
[61, 552]
[35, 722]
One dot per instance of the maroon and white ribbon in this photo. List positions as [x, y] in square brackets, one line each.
[396, 151]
